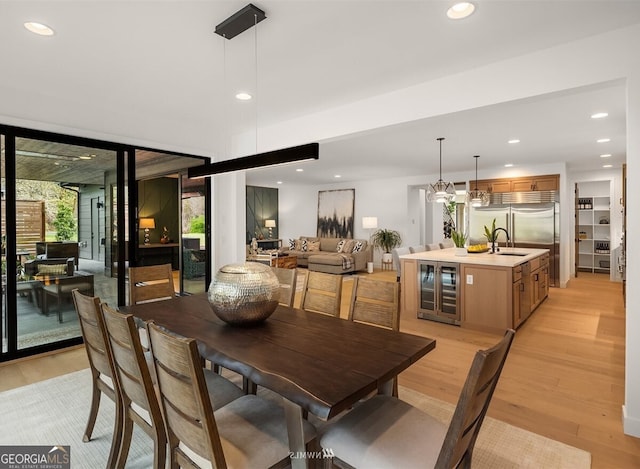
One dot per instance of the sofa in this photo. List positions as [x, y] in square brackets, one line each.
[330, 255]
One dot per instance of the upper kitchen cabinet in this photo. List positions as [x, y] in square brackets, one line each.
[524, 184]
[492, 185]
[537, 183]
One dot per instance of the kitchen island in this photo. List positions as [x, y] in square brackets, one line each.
[484, 291]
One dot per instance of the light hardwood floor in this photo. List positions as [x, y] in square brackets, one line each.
[563, 379]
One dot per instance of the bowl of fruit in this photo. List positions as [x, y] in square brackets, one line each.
[477, 248]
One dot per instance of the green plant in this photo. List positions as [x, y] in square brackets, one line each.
[197, 224]
[386, 239]
[489, 233]
[458, 238]
[65, 222]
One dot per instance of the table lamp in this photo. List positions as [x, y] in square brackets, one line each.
[147, 224]
[271, 224]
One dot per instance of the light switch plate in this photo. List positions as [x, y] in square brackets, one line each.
[469, 279]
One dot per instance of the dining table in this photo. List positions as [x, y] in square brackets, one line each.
[317, 363]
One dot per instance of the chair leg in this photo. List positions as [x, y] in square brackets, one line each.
[93, 411]
[116, 441]
[160, 447]
[125, 441]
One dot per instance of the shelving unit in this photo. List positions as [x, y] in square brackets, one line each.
[594, 226]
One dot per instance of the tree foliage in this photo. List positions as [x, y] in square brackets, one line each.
[65, 222]
[197, 224]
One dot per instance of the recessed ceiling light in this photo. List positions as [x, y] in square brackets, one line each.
[606, 155]
[337, 176]
[460, 10]
[299, 170]
[603, 140]
[279, 182]
[607, 165]
[508, 165]
[514, 140]
[243, 96]
[39, 28]
[85, 157]
[599, 115]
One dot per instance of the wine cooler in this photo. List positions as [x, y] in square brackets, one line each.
[438, 291]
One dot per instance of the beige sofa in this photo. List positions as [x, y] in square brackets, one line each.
[322, 255]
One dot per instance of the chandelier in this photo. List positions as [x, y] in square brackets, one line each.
[475, 197]
[440, 191]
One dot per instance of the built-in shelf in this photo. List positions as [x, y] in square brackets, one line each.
[594, 226]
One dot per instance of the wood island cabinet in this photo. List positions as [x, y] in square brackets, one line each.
[484, 292]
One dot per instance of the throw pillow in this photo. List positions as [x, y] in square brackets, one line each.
[292, 244]
[52, 269]
[304, 245]
[358, 246]
[313, 246]
[348, 246]
[340, 245]
[298, 245]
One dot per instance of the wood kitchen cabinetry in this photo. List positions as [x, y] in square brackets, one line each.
[485, 291]
[524, 184]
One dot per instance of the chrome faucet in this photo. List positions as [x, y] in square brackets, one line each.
[493, 237]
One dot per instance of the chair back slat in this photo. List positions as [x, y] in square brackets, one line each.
[184, 397]
[375, 302]
[150, 283]
[473, 403]
[287, 279]
[322, 293]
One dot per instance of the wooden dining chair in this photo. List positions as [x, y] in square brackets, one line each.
[136, 387]
[101, 366]
[150, 283]
[376, 302]
[287, 279]
[385, 432]
[247, 432]
[322, 293]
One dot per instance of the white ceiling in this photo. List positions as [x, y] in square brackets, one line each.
[159, 60]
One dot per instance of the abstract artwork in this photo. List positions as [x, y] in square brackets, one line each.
[335, 213]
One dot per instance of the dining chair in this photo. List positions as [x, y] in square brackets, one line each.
[287, 279]
[103, 376]
[248, 432]
[322, 293]
[150, 283]
[417, 248]
[136, 387]
[376, 302]
[386, 432]
[433, 247]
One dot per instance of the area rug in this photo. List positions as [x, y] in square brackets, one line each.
[54, 412]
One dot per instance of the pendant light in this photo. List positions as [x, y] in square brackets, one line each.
[475, 197]
[441, 191]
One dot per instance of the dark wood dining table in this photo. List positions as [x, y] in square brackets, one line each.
[317, 363]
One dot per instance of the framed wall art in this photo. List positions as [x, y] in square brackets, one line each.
[335, 213]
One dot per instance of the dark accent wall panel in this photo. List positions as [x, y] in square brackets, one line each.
[158, 199]
[262, 204]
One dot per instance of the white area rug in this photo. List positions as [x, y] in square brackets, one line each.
[54, 412]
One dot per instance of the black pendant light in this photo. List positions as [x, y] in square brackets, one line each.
[477, 198]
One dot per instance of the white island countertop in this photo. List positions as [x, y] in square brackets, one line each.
[507, 257]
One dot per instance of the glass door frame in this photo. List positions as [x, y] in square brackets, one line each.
[125, 175]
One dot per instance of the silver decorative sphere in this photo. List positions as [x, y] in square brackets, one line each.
[244, 294]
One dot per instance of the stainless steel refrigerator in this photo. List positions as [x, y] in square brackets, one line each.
[532, 220]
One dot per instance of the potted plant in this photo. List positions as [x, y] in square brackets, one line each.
[459, 238]
[490, 233]
[386, 240]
